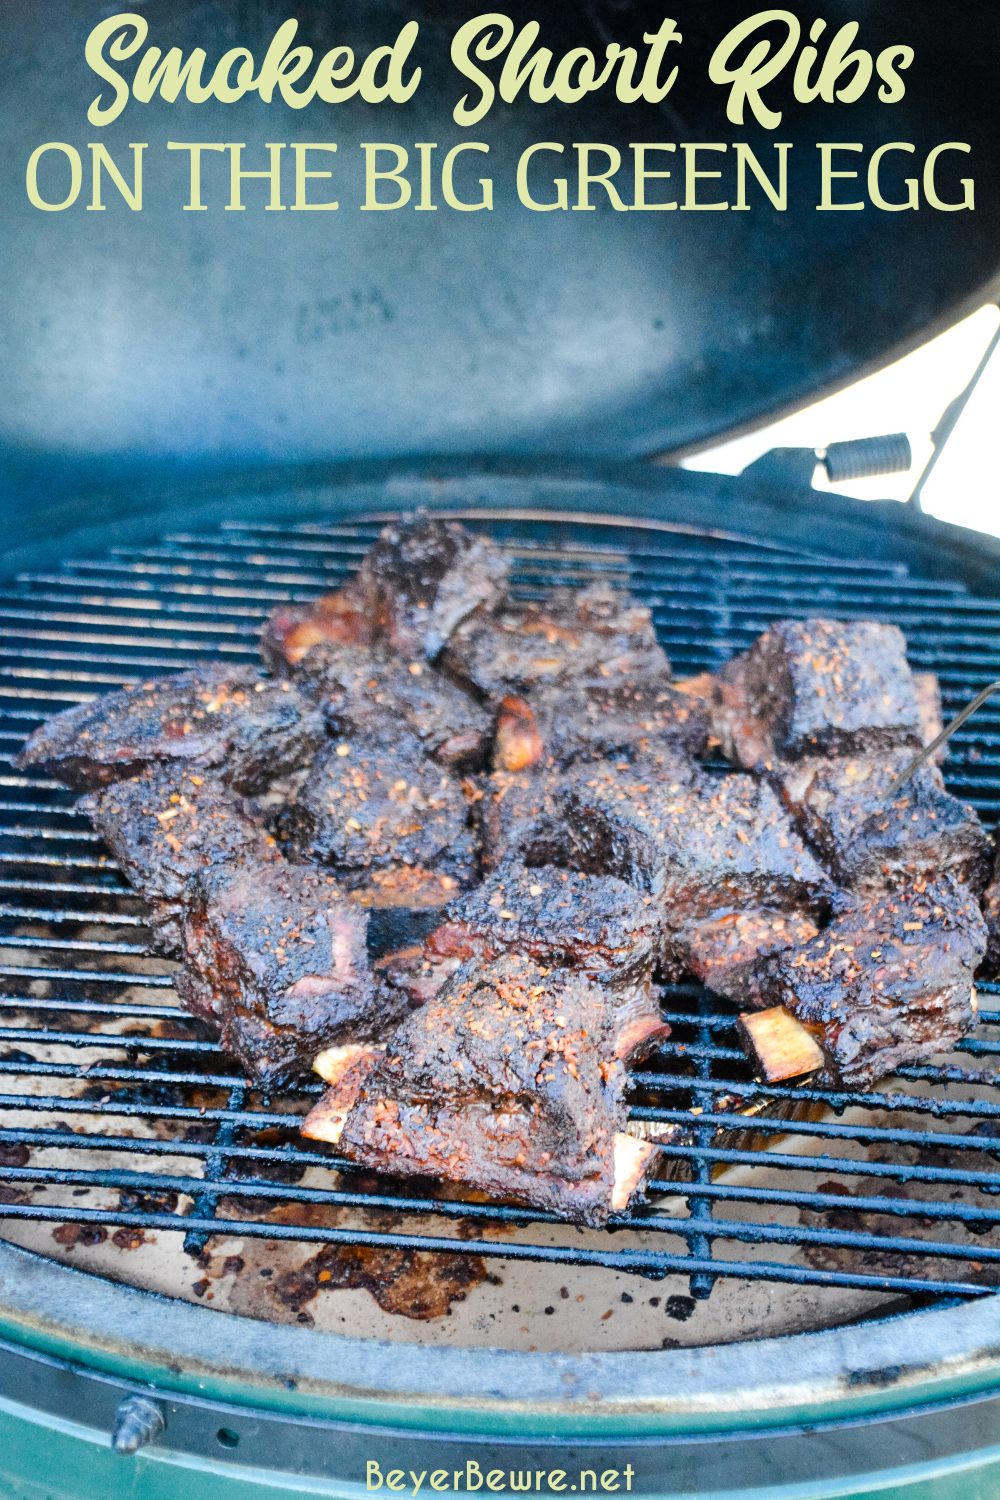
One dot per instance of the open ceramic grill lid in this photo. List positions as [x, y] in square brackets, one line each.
[168, 340]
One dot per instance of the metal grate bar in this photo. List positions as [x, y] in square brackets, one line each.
[93, 1008]
[700, 1204]
[58, 918]
[97, 1039]
[164, 609]
[839, 1166]
[89, 976]
[263, 547]
[870, 1135]
[206, 1197]
[637, 1262]
[835, 1098]
[298, 1158]
[64, 862]
[700, 1084]
[239, 570]
[247, 594]
[691, 1229]
[263, 1118]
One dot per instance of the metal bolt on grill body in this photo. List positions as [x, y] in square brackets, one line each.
[138, 1423]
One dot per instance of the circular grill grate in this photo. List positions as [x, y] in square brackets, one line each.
[117, 1110]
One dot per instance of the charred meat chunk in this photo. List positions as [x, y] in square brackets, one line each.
[520, 818]
[594, 923]
[561, 725]
[701, 843]
[512, 1082]
[816, 687]
[170, 826]
[277, 957]
[869, 840]
[254, 729]
[555, 917]
[367, 806]
[888, 983]
[423, 577]
[592, 635]
[991, 910]
[369, 693]
[724, 950]
[419, 580]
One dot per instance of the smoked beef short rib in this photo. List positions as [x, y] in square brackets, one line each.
[724, 949]
[593, 923]
[372, 694]
[818, 687]
[869, 840]
[418, 582]
[511, 1081]
[700, 843]
[252, 728]
[423, 577]
[367, 805]
[168, 827]
[558, 726]
[889, 982]
[558, 918]
[595, 635]
[277, 957]
[422, 726]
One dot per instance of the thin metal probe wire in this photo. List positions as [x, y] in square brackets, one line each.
[946, 734]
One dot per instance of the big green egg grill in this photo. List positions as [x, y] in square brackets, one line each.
[805, 1307]
[194, 1302]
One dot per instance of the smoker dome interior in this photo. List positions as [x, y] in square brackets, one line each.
[166, 343]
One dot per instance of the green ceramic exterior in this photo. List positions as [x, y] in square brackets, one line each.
[65, 1462]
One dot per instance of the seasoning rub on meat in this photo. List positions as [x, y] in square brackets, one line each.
[252, 729]
[277, 956]
[169, 827]
[890, 981]
[512, 1080]
[446, 845]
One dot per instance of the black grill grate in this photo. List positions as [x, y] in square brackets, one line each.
[896, 1190]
